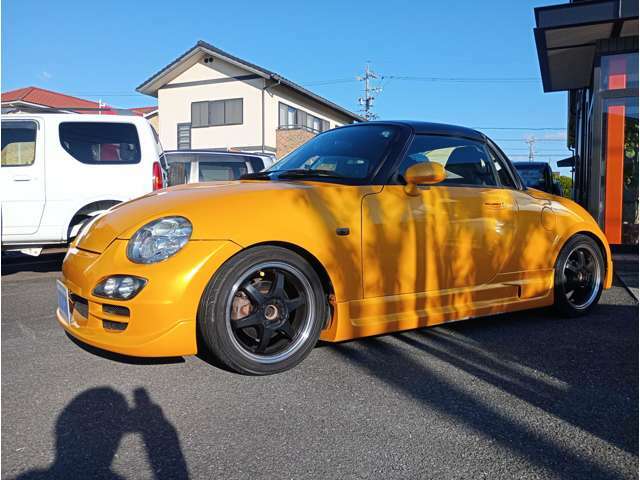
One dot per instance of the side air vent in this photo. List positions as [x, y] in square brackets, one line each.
[80, 305]
[117, 326]
[115, 310]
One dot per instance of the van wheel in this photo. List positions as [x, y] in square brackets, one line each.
[263, 310]
[579, 276]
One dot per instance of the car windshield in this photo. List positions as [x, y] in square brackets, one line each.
[345, 153]
[532, 175]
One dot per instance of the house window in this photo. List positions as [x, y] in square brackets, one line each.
[291, 117]
[216, 113]
[184, 136]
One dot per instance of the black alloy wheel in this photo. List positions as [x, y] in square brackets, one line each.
[263, 311]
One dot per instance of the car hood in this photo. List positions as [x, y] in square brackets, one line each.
[229, 210]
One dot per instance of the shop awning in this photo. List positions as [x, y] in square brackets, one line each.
[567, 162]
[566, 37]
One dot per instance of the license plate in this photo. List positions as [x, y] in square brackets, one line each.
[63, 301]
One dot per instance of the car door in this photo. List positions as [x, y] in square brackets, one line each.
[22, 177]
[452, 238]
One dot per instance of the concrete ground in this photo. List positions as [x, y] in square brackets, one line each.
[525, 395]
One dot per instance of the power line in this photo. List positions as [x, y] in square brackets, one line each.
[328, 82]
[430, 79]
[523, 139]
[537, 151]
[465, 79]
[526, 155]
[520, 128]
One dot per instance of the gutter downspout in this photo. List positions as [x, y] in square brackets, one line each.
[263, 90]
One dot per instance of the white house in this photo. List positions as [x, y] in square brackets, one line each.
[208, 98]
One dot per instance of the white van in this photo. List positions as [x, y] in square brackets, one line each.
[60, 170]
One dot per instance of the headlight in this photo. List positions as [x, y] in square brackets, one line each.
[158, 240]
[119, 287]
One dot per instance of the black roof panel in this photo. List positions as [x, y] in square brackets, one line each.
[429, 128]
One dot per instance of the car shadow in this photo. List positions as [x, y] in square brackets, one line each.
[570, 368]
[16, 262]
[89, 431]
[117, 357]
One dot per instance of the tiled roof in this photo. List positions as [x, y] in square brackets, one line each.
[143, 110]
[47, 98]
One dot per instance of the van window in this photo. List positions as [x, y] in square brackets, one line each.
[217, 171]
[101, 142]
[18, 143]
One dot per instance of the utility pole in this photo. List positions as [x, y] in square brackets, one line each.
[531, 141]
[369, 93]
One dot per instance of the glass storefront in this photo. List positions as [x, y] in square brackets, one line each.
[619, 156]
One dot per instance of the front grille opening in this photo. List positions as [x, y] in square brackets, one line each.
[111, 325]
[80, 304]
[115, 310]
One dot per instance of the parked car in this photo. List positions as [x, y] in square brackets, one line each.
[60, 170]
[192, 166]
[366, 229]
[538, 175]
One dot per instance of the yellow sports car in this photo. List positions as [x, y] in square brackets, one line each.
[366, 229]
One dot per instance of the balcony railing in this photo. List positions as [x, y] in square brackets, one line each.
[299, 127]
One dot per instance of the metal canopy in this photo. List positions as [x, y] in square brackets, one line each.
[566, 37]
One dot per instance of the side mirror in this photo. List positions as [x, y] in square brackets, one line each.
[556, 189]
[424, 173]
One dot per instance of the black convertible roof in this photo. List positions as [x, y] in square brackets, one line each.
[428, 128]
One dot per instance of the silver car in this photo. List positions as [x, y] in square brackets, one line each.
[192, 166]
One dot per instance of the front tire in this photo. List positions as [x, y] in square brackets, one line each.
[579, 276]
[262, 311]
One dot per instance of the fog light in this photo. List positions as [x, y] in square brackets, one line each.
[119, 287]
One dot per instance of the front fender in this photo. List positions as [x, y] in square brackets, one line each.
[572, 219]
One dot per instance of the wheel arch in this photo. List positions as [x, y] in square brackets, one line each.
[316, 264]
[91, 207]
[318, 267]
[604, 250]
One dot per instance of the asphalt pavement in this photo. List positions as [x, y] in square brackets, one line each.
[525, 395]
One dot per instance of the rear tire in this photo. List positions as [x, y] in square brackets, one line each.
[262, 311]
[579, 276]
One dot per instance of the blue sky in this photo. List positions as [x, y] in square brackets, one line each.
[104, 50]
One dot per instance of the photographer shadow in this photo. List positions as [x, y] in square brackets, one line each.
[89, 431]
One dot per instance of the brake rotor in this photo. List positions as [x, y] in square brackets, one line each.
[241, 306]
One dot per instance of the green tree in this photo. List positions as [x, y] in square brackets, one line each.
[566, 184]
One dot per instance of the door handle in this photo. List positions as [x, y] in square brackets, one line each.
[494, 205]
[22, 178]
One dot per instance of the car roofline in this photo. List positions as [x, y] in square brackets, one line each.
[426, 128]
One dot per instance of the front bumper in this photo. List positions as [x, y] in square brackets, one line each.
[161, 319]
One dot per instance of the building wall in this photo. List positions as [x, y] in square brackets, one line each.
[174, 105]
[288, 140]
[175, 99]
[290, 97]
[154, 120]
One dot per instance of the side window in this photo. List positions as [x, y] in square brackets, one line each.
[217, 170]
[466, 162]
[179, 168]
[18, 143]
[501, 170]
[101, 142]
